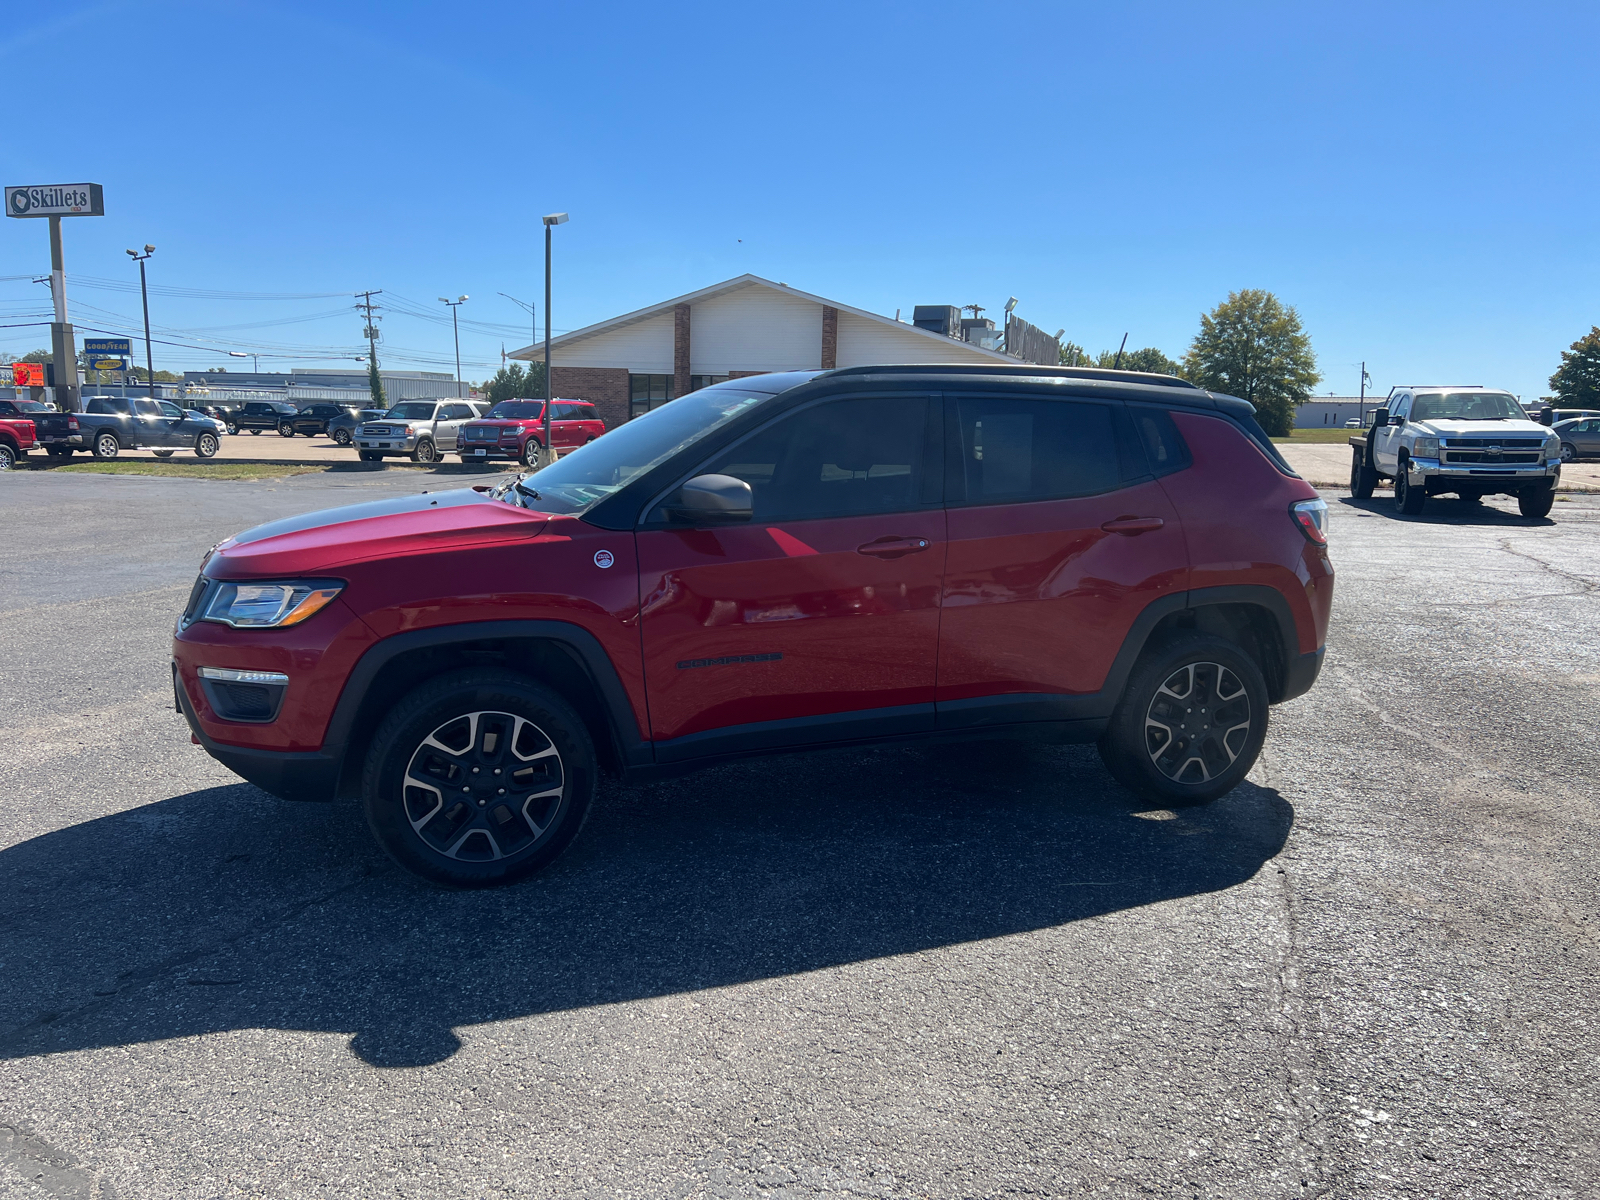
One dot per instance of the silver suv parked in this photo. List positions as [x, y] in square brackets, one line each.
[419, 429]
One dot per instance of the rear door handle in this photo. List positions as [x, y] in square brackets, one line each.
[1132, 526]
[893, 547]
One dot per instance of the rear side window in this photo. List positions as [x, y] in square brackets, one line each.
[1015, 449]
[1259, 436]
[1163, 446]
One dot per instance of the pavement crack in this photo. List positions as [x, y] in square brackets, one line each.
[11, 1040]
[1585, 586]
[1309, 1151]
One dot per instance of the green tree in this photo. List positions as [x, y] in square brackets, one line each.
[1149, 359]
[1074, 355]
[36, 356]
[513, 382]
[1577, 380]
[375, 384]
[1252, 346]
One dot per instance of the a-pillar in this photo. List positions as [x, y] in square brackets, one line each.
[830, 338]
[680, 350]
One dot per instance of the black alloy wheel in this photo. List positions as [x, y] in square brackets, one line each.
[1190, 724]
[206, 445]
[478, 778]
[1408, 498]
[106, 446]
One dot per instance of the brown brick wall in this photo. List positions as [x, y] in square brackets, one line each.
[604, 387]
[830, 338]
[680, 350]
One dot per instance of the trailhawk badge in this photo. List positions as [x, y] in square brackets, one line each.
[603, 559]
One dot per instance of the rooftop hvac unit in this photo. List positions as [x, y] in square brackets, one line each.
[938, 318]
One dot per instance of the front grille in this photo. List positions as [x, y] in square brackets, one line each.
[1477, 443]
[482, 433]
[376, 431]
[1483, 456]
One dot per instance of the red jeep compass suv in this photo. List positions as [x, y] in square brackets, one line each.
[774, 563]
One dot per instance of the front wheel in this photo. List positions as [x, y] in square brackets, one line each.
[205, 445]
[286, 430]
[1536, 502]
[1190, 723]
[371, 456]
[1362, 477]
[233, 429]
[1408, 499]
[106, 446]
[255, 433]
[8, 457]
[478, 778]
[341, 437]
[530, 453]
[425, 452]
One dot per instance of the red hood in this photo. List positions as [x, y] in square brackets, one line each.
[324, 541]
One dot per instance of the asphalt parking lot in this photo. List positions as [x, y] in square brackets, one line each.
[947, 972]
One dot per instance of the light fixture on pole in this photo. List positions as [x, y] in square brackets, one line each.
[455, 304]
[533, 318]
[255, 358]
[144, 295]
[547, 452]
[1010, 304]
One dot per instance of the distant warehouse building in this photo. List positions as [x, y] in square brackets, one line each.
[746, 326]
[1331, 412]
[304, 386]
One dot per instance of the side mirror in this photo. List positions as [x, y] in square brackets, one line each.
[713, 499]
[1547, 415]
[1380, 417]
[1397, 420]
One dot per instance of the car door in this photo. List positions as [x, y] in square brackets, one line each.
[1386, 446]
[1585, 437]
[819, 617]
[1059, 535]
[178, 428]
[450, 420]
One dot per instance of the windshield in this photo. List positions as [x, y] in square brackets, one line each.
[517, 410]
[1466, 406]
[32, 406]
[412, 412]
[592, 472]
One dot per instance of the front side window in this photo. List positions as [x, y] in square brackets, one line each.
[171, 410]
[517, 410]
[1016, 450]
[1467, 406]
[842, 458]
[594, 471]
[413, 411]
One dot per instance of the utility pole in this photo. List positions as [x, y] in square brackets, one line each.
[1363, 404]
[375, 380]
[547, 453]
[455, 304]
[144, 295]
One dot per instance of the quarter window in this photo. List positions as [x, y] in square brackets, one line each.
[1016, 450]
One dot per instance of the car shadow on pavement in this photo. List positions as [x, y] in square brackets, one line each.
[1447, 510]
[229, 909]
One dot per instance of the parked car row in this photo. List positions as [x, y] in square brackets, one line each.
[513, 430]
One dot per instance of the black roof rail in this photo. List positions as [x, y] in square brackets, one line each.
[1021, 369]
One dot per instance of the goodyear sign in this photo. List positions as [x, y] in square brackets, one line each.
[93, 346]
[56, 200]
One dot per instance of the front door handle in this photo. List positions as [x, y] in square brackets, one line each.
[893, 547]
[1133, 526]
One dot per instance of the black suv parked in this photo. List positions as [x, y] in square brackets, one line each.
[312, 419]
[262, 414]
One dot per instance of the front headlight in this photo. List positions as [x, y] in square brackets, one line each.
[1425, 447]
[268, 605]
[1552, 448]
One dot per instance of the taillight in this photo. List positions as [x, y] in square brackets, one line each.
[72, 422]
[1312, 518]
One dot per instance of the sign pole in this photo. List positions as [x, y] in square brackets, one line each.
[61, 341]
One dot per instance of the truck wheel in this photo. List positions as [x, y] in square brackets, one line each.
[163, 453]
[8, 457]
[1190, 723]
[286, 430]
[1569, 452]
[341, 437]
[425, 452]
[233, 429]
[1536, 502]
[478, 778]
[106, 445]
[1362, 477]
[1407, 499]
[205, 445]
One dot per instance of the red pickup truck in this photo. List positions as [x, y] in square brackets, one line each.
[16, 439]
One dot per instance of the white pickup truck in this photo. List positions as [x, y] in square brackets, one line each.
[1472, 441]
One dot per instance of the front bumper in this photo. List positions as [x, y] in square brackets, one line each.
[394, 445]
[287, 774]
[486, 451]
[1430, 470]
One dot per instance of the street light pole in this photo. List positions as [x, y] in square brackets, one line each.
[144, 295]
[533, 316]
[454, 325]
[547, 453]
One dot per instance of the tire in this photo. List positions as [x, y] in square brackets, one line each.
[8, 457]
[286, 430]
[205, 445]
[1569, 452]
[1536, 502]
[255, 433]
[1362, 477]
[1407, 499]
[163, 453]
[341, 437]
[1179, 767]
[61, 452]
[530, 453]
[233, 429]
[446, 737]
[371, 456]
[106, 445]
[426, 452]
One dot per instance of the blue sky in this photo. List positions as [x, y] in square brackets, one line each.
[1419, 180]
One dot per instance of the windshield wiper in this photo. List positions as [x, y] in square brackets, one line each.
[526, 491]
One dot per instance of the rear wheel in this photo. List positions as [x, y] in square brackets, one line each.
[478, 778]
[205, 445]
[1569, 452]
[1536, 502]
[1408, 499]
[1362, 477]
[107, 446]
[286, 430]
[1190, 723]
[233, 429]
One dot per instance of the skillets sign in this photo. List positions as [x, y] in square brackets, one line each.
[56, 200]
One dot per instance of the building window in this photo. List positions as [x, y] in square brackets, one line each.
[646, 392]
[696, 382]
